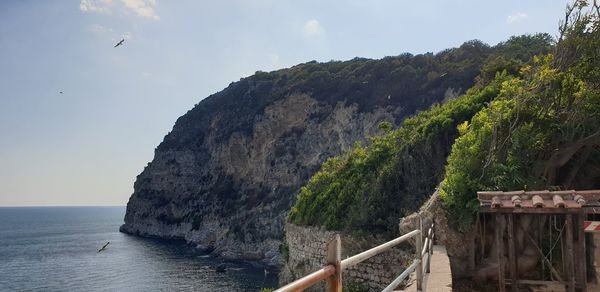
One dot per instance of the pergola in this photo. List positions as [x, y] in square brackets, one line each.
[560, 218]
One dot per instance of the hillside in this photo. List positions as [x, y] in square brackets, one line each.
[371, 186]
[534, 128]
[227, 174]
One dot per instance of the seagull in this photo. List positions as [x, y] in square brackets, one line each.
[119, 43]
[104, 247]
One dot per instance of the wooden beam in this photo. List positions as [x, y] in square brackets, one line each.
[334, 257]
[582, 262]
[308, 280]
[500, 250]
[400, 278]
[472, 252]
[570, 267]
[430, 249]
[512, 259]
[419, 257]
[355, 259]
[550, 210]
[536, 282]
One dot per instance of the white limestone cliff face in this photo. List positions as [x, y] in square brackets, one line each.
[227, 174]
[233, 198]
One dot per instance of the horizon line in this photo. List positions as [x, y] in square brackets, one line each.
[57, 206]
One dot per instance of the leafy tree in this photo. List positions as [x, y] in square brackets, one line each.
[370, 187]
[543, 129]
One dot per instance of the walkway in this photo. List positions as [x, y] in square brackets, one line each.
[440, 278]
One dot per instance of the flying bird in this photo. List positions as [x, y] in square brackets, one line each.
[104, 247]
[119, 43]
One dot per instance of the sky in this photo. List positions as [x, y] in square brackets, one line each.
[86, 145]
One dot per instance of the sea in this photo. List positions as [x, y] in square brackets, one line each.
[56, 249]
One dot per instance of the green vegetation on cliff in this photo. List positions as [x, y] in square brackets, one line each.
[406, 82]
[358, 189]
[370, 187]
[523, 126]
[541, 131]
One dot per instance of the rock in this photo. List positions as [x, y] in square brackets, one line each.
[221, 268]
[228, 173]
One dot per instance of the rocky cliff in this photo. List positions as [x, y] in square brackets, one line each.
[227, 174]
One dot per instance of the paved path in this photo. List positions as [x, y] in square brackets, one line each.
[440, 278]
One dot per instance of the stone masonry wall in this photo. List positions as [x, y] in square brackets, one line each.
[306, 251]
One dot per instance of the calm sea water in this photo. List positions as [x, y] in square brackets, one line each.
[56, 249]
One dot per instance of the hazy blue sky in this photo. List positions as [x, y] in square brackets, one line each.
[86, 145]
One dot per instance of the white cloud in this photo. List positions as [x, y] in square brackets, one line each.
[312, 28]
[516, 17]
[100, 6]
[143, 8]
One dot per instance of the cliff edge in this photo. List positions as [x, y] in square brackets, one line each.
[227, 174]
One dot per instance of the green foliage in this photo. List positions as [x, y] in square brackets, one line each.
[409, 82]
[525, 125]
[524, 47]
[537, 133]
[368, 188]
[359, 190]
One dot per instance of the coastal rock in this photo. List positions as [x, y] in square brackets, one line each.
[227, 174]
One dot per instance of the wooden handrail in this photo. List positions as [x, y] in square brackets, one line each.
[333, 271]
[309, 280]
[425, 248]
[351, 261]
[402, 276]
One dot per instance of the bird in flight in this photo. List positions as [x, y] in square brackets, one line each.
[104, 247]
[119, 43]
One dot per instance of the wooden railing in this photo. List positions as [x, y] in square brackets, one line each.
[332, 272]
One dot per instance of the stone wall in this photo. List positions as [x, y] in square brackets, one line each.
[305, 248]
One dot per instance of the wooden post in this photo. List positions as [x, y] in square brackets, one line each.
[483, 236]
[512, 260]
[473, 247]
[419, 256]
[500, 250]
[582, 271]
[539, 240]
[334, 257]
[429, 249]
[569, 256]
